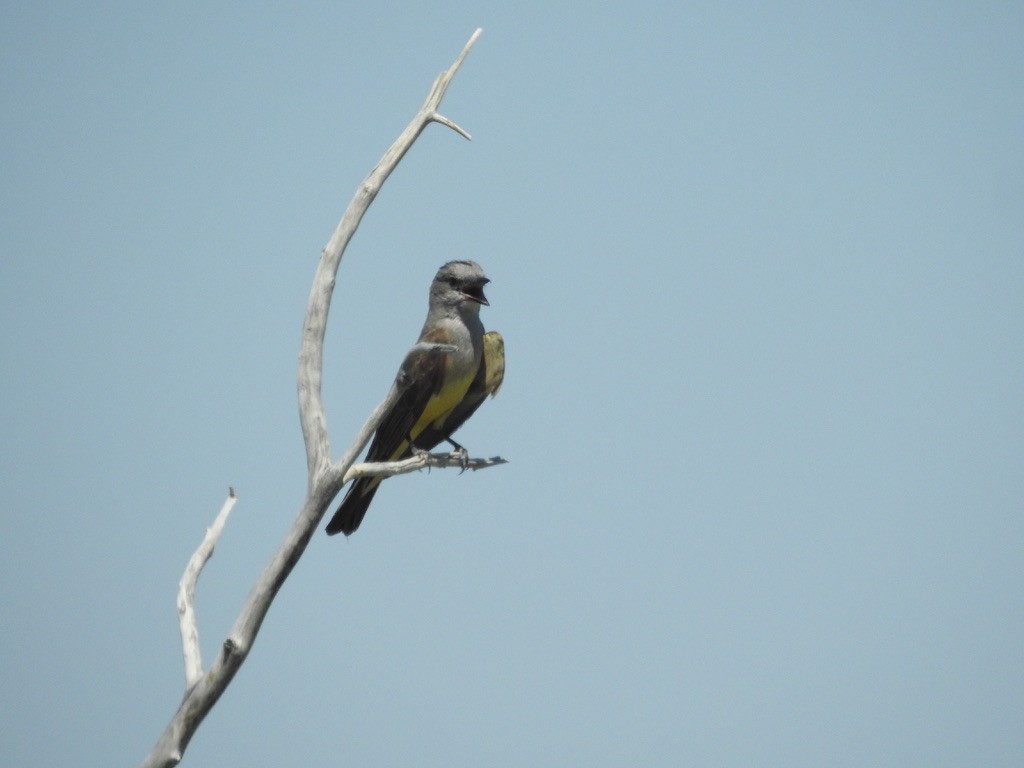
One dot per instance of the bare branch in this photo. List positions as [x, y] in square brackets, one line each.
[448, 123]
[418, 462]
[325, 477]
[187, 593]
[367, 430]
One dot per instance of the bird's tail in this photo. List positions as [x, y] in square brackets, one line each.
[353, 506]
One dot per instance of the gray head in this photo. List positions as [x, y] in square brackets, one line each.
[459, 283]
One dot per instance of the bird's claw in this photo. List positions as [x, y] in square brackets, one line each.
[462, 456]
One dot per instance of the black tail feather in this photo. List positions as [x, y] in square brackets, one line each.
[353, 507]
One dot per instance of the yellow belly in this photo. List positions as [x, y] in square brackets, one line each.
[442, 404]
[437, 410]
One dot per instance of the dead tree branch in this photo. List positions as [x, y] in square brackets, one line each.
[421, 461]
[187, 593]
[325, 478]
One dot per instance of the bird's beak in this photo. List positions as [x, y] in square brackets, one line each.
[476, 293]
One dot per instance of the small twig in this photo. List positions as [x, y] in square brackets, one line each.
[187, 593]
[420, 461]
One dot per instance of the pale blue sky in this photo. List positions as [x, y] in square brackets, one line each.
[760, 271]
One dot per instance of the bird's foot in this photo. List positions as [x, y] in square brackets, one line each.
[459, 453]
[462, 455]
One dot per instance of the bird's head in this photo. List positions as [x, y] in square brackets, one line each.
[459, 281]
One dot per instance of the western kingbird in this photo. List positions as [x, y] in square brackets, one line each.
[445, 376]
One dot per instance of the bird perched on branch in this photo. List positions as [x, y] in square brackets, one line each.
[444, 378]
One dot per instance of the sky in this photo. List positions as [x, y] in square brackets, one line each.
[759, 269]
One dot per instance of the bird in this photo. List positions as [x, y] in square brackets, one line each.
[443, 379]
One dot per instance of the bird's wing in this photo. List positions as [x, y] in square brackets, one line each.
[421, 377]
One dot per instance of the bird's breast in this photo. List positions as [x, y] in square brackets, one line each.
[460, 370]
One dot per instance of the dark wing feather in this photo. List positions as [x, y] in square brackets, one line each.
[420, 378]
